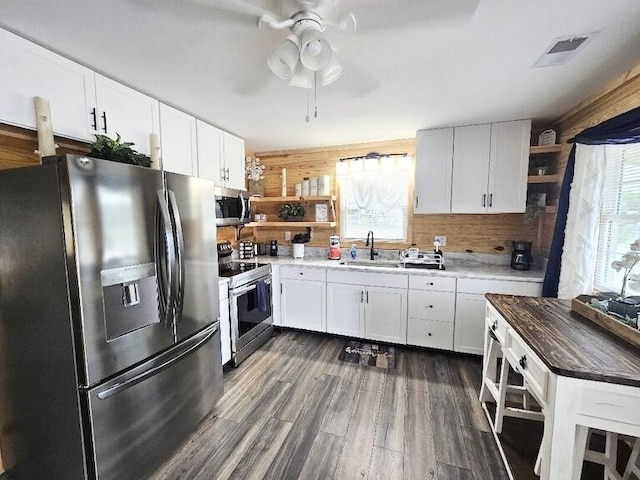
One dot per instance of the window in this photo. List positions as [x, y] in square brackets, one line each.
[374, 195]
[619, 224]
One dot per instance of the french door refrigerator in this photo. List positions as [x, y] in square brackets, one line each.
[109, 342]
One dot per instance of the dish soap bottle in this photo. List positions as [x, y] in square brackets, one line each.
[353, 252]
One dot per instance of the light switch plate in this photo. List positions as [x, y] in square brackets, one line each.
[442, 239]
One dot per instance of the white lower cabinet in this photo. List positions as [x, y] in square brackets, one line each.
[225, 324]
[432, 302]
[303, 298]
[386, 314]
[345, 309]
[470, 309]
[367, 305]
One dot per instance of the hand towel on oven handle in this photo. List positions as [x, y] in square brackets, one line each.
[262, 296]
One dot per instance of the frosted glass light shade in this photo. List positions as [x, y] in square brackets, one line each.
[332, 72]
[283, 61]
[315, 51]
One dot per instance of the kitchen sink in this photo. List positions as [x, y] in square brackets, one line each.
[372, 263]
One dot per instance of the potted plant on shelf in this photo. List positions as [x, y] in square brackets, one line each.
[109, 149]
[291, 212]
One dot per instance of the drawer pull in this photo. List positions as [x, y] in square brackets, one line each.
[429, 334]
[430, 284]
[494, 325]
[429, 306]
[523, 362]
[301, 273]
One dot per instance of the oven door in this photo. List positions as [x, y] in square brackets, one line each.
[248, 318]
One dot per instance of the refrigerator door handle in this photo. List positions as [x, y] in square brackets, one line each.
[177, 224]
[197, 341]
[165, 257]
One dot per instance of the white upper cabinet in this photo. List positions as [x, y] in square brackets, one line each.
[127, 112]
[233, 159]
[471, 153]
[28, 71]
[178, 140]
[472, 169]
[210, 152]
[508, 166]
[434, 159]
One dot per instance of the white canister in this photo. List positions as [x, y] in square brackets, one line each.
[298, 250]
[323, 185]
[313, 186]
[298, 189]
[305, 187]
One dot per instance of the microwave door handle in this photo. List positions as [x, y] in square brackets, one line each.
[244, 202]
[164, 256]
[179, 236]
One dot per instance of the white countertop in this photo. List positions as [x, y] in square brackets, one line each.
[454, 268]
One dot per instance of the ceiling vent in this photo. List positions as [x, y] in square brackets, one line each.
[562, 49]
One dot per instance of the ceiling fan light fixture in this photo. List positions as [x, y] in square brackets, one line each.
[283, 61]
[315, 51]
[332, 72]
[301, 77]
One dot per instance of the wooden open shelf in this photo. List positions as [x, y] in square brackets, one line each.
[539, 149]
[291, 225]
[317, 198]
[543, 178]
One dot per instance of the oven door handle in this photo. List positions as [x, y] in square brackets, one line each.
[236, 292]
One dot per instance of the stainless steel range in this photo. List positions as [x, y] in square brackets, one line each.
[249, 302]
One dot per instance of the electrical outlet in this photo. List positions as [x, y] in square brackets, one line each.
[287, 235]
[442, 239]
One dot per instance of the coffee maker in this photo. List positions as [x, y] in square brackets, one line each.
[521, 255]
[273, 248]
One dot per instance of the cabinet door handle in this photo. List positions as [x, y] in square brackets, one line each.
[367, 296]
[417, 202]
[361, 296]
[491, 199]
[484, 199]
[94, 115]
[227, 174]
[429, 334]
[104, 121]
[523, 362]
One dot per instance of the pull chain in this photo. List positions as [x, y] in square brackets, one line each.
[306, 119]
[315, 94]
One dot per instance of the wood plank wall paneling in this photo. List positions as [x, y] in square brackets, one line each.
[620, 95]
[478, 233]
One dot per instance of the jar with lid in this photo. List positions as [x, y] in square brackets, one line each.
[313, 186]
[305, 187]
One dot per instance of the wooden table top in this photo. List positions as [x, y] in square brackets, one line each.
[569, 344]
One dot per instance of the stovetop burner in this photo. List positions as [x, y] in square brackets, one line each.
[231, 268]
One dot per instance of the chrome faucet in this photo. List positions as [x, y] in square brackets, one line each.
[372, 253]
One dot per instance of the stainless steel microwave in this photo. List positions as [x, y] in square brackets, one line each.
[232, 206]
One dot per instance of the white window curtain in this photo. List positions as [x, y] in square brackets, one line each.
[374, 195]
[581, 233]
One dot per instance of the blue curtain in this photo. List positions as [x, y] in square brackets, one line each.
[619, 130]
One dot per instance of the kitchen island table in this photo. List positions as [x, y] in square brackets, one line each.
[582, 376]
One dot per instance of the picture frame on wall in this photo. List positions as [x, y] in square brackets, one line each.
[322, 212]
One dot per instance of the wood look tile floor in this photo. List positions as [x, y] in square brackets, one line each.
[293, 410]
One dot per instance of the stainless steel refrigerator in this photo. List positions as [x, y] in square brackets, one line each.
[109, 342]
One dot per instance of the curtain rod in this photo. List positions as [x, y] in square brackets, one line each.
[374, 155]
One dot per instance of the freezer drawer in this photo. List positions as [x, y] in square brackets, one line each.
[139, 418]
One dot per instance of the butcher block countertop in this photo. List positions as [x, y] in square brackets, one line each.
[569, 344]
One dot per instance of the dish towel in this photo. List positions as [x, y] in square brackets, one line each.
[261, 294]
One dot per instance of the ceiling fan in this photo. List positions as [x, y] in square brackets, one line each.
[305, 57]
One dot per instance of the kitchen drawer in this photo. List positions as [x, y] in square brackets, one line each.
[438, 306]
[498, 324]
[365, 278]
[527, 363]
[429, 282]
[479, 286]
[429, 333]
[303, 273]
[223, 290]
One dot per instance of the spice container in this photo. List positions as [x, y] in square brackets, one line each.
[305, 187]
[313, 186]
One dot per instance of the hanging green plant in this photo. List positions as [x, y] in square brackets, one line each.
[109, 149]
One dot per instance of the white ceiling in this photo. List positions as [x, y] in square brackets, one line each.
[423, 75]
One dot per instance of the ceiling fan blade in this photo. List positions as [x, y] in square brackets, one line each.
[383, 15]
[255, 8]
